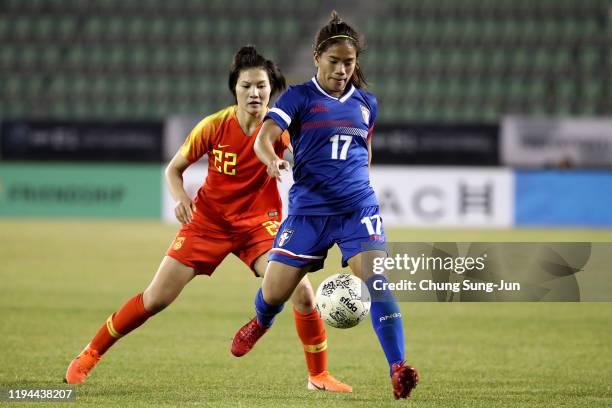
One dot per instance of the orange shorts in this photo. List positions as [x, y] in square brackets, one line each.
[203, 246]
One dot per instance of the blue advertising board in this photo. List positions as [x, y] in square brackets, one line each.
[563, 198]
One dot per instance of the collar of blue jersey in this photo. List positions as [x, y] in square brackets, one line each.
[343, 98]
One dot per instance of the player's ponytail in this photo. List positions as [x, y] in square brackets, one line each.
[337, 31]
[247, 57]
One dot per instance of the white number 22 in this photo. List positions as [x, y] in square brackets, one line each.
[335, 145]
[370, 222]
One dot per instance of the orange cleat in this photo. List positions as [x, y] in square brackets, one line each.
[404, 379]
[325, 382]
[81, 366]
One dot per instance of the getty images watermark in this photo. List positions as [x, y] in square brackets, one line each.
[459, 265]
[494, 271]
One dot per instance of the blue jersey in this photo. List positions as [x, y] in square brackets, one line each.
[330, 138]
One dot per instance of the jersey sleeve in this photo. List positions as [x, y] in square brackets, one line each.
[373, 104]
[287, 107]
[196, 144]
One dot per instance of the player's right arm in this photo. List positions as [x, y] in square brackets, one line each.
[278, 119]
[174, 178]
[269, 134]
[196, 146]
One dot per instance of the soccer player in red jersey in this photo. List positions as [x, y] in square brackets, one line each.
[237, 210]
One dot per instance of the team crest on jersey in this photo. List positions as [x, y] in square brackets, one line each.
[365, 114]
[178, 243]
[284, 237]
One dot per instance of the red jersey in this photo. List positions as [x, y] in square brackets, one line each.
[237, 190]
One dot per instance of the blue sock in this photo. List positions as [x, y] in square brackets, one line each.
[266, 312]
[386, 320]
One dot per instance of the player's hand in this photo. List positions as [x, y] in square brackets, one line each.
[275, 167]
[184, 210]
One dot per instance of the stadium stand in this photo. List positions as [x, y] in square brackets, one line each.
[429, 61]
[470, 60]
[127, 59]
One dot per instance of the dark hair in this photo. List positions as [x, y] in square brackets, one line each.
[247, 57]
[337, 31]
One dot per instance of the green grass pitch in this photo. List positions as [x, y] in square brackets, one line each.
[61, 279]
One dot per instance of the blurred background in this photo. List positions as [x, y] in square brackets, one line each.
[492, 113]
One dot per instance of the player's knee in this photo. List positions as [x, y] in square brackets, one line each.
[155, 306]
[304, 305]
[275, 299]
[303, 298]
[156, 302]
[276, 294]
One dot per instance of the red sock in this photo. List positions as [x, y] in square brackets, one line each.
[310, 329]
[129, 317]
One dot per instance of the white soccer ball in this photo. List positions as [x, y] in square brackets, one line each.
[343, 300]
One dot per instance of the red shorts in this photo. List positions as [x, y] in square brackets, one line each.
[204, 245]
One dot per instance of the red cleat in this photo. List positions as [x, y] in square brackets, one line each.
[404, 379]
[246, 337]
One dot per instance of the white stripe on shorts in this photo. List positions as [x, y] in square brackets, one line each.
[297, 255]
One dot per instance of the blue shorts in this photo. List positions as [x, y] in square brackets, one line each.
[304, 239]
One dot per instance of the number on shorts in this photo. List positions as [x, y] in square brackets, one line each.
[271, 227]
[373, 224]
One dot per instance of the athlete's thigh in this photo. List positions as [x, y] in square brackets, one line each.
[302, 241]
[303, 295]
[201, 247]
[254, 245]
[280, 281]
[261, 264]
[360, 232]
[362, 263]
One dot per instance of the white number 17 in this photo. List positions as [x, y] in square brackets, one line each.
[335, 144]
[370, 222]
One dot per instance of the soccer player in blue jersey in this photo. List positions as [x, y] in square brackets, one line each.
[330, 121]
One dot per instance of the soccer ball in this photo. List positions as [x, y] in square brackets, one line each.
[343, 300]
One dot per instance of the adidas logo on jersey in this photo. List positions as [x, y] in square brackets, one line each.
[319, 107]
